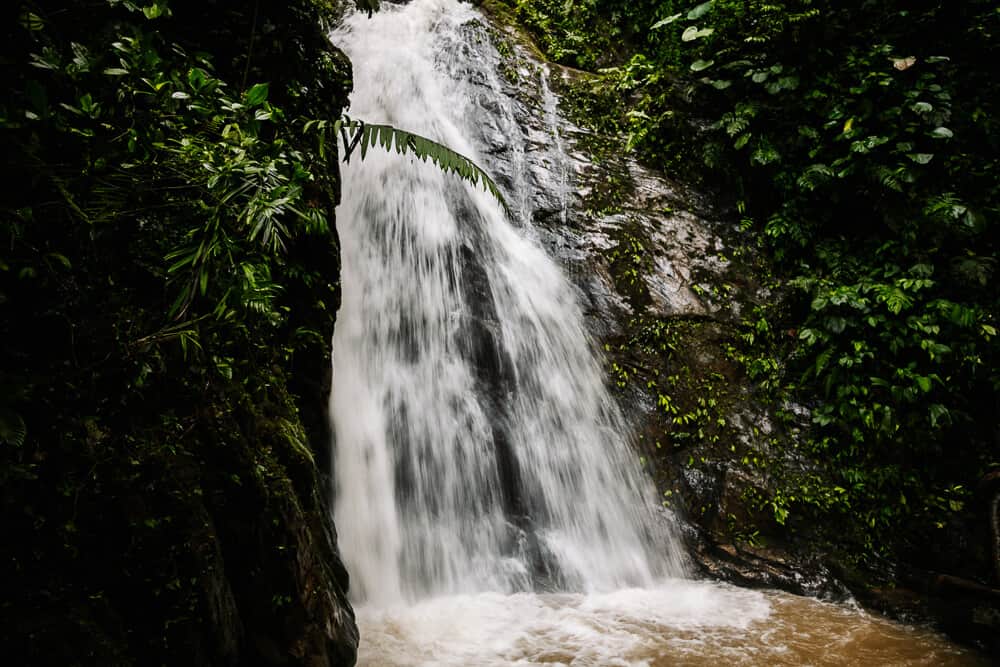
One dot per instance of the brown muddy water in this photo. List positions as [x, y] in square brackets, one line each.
[677, 623]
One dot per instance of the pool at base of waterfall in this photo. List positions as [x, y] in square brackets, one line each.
[675, 623]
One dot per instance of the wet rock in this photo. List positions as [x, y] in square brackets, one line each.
[989, 493]
[665, 277]
[768, 568]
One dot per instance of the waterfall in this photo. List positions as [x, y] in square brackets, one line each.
[476, 445]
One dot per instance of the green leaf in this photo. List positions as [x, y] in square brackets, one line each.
[700, 65]
[256, 95]
[13, 430]
[388, 137]
[809, 336]
[942, 133]
[32, 21]
[921, 158]
[197, 78]
[836, 324]
[156, 10]
[693, 33]
[666, 21]
[700, 10]
[938, 413]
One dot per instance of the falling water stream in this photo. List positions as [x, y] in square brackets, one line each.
[490, 510]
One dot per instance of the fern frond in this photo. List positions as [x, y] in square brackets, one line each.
[13, 430]
[356, 134]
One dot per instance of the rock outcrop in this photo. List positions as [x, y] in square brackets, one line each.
[666, 278]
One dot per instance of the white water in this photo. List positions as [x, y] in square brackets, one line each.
[477, 448]
[678, 623]
[489, 508]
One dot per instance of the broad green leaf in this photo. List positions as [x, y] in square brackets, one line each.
[197, 78]
[256, 95]
[693, 33]
[60, 258]
[700, 10]
[699, 65]
[156, 10]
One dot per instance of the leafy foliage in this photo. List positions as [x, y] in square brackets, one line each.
[168, 281]
[860, 141]
[362, 136]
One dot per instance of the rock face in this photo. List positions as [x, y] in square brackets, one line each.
[666, 279]
[670, 284]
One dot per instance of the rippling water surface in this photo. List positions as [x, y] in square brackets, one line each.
[678, 623]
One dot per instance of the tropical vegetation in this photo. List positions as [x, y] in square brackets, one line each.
[857, 142]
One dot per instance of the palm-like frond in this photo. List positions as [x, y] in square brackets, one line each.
[358, 135]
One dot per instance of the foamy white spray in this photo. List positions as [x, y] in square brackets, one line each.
[476, 446]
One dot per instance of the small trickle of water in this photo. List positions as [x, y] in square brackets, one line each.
[477, 447]
[551, 106]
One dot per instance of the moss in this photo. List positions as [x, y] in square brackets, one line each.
[629, 263]
[502, 14]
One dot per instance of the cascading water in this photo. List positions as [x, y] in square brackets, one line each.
[476, 445]
[489, 508]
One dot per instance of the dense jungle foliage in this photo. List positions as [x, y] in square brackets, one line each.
[168, 283]
[169, 278]
[859, 143]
